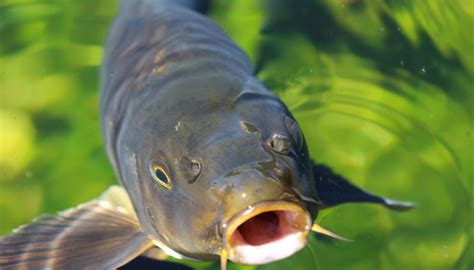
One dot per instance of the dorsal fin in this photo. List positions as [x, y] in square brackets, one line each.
[101, 234]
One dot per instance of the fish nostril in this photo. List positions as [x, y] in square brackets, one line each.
[279, 171]
[195, 167]
[192, 168]
[279, 143]
[247, 127]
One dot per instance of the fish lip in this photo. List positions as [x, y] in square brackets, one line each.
[228, 228]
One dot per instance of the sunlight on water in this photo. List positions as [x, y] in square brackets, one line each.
[381, 89]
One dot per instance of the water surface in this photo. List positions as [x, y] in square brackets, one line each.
[382, 89]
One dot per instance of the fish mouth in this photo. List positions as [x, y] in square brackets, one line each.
[265, 232]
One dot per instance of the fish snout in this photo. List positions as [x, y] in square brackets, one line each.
[263, 219]
[248, 186]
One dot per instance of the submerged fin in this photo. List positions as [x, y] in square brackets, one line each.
[100, 234]
[155, 253]
[118, 199]
[320, 229]
[333, 190]
[143, 262]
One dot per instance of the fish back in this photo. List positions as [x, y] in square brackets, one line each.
[153, 44]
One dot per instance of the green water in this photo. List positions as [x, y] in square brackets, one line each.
[383, 91]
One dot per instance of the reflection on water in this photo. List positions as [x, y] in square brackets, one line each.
[382, 90]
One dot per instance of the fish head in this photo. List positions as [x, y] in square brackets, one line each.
[234, 179]
[268, 197]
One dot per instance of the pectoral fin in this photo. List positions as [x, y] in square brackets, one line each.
[100, 234]
[333, 190]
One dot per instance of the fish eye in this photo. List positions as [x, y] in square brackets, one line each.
[158, 171]
[295, 132]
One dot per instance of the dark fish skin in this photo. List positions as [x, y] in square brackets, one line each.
[176, 89]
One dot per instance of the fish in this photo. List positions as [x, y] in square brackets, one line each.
[212, 165]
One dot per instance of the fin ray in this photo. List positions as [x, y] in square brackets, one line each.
[95, 235]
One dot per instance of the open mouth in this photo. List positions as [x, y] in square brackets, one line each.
[266, 232]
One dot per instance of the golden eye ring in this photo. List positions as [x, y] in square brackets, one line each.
[160, 175]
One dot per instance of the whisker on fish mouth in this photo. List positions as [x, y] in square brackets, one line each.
[319, 229]
[223, 259]
[268, 231]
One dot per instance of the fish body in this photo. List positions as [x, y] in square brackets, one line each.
[211, 162]
[176, 89]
